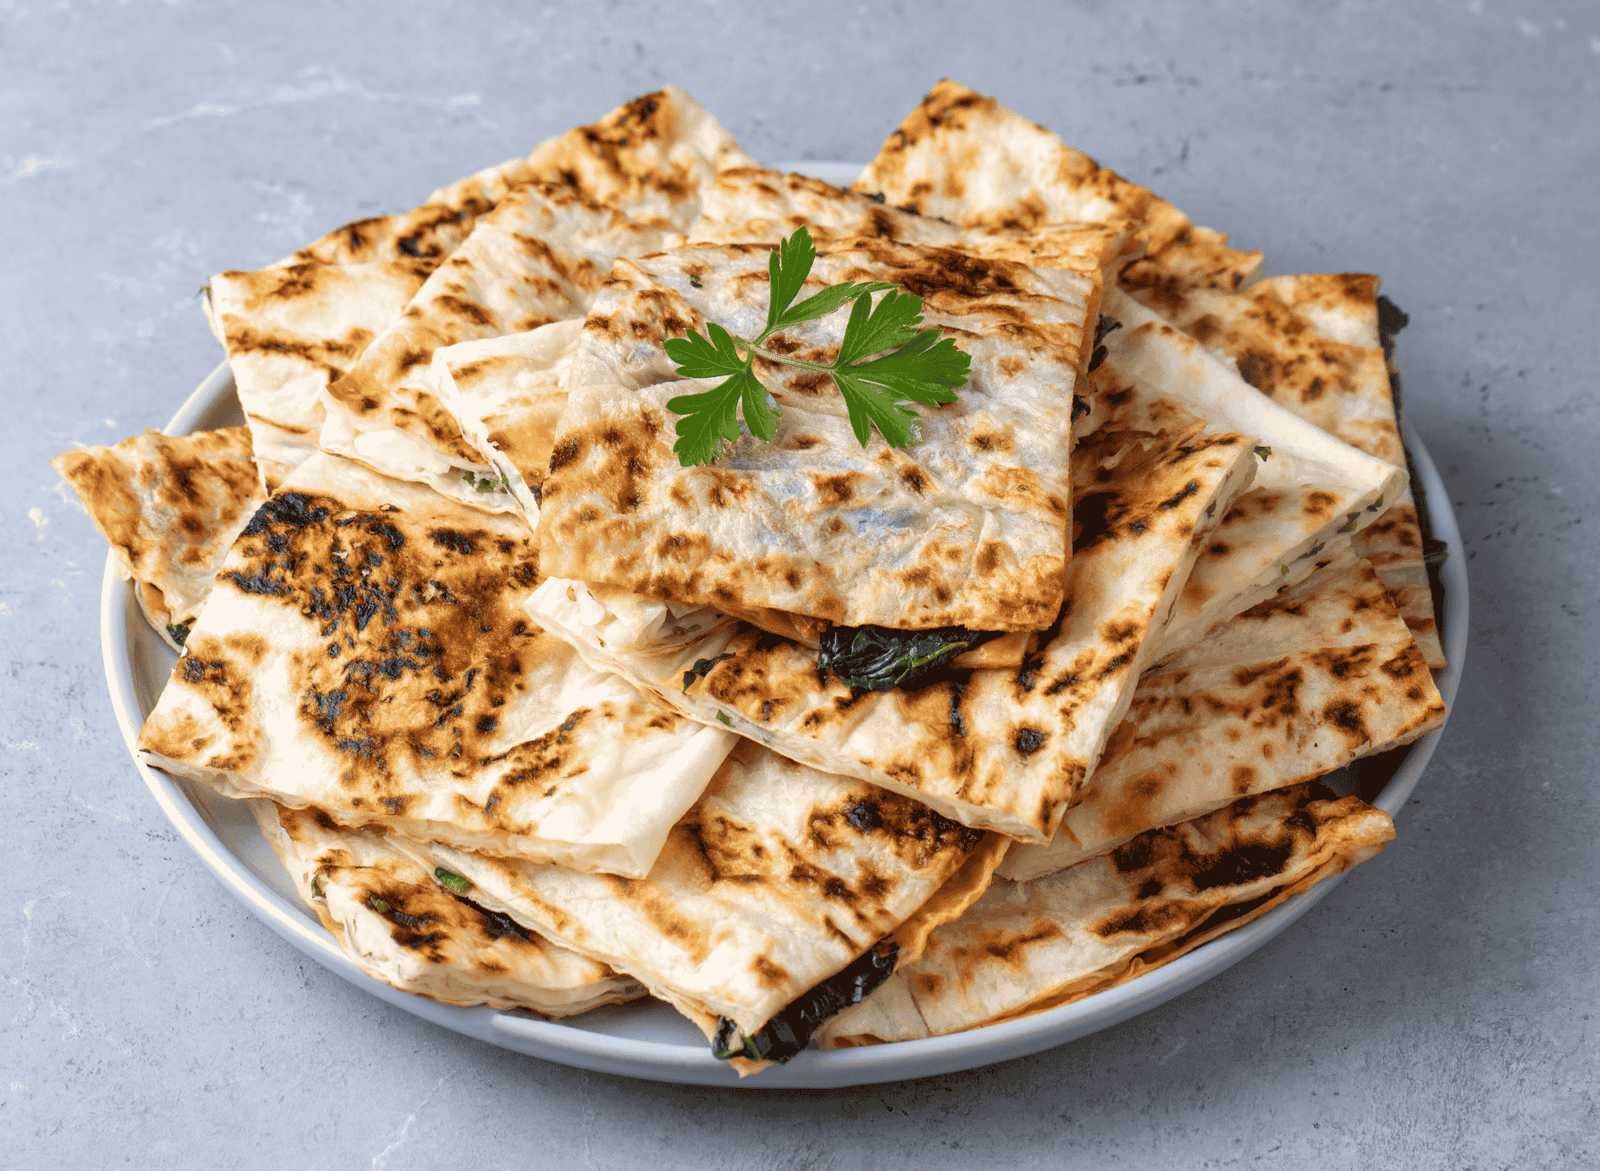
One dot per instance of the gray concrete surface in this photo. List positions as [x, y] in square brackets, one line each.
[1435, 1012]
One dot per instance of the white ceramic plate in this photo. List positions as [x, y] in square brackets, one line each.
[648, 1039]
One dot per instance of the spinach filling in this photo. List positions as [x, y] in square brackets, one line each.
[877, 658]
[790, 1031]
[702, 668]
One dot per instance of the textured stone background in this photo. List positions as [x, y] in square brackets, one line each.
[1433, 1013]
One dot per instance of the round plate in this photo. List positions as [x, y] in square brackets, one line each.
[648, 1039]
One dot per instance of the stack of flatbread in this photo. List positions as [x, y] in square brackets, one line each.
[535, 716]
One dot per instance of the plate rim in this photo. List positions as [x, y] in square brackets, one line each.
[813, 1069]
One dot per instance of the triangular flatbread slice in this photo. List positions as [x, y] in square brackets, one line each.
[1344, 307]
[170, 508]
[294, 327]
[968, 159]
[365, 651]
[1342, 387]
[1393, 543]
[751, 204]
[628, 185]
[777, 878]
[1311, 343]
[538, 257]
[1001, 748]
[430, 232]
[507, 395]
[290, 330]
[967, 526]
[1027, 947]
[391, 916]
[1317, 676]
[1311, 491]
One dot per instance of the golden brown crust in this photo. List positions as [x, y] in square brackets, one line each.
[966, 158]
[775, 879]
[1025, 948]
[366, 651]
[396, 920]
[1321, 674]
[967, 527]
[169, 507]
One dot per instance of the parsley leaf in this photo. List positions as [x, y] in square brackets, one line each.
[919, 367]
[698, 358]
[788, 268]
[875, 328]
[710, 417]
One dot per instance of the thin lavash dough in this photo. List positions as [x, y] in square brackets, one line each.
[1320, 674]
[1027, 947]
[398, 925]
[968, 526]
[170, 508]
[777, 878]
[365, 651]
[1001, 748]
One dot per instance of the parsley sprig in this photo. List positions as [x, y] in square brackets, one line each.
[918, 366]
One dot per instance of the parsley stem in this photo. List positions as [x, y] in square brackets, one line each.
[755, 348]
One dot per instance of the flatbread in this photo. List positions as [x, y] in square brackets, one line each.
[967, 527]
[289, 330]
[1027, 947]
[390, 915]
[1321, 674]
[1310, 342]
[1311, 491]
[1343, 307]
[651, 158]
[1003, 749]
[538, 257]
[1342, 387]
[430, 232]
[777, 878]
[968, 159]
[626, 186]
[365, 651]
[170, 507]
[292, 329]
[751, 204]
[965, 158]
[1181, 254]
[507, 394]
[1393, 543]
